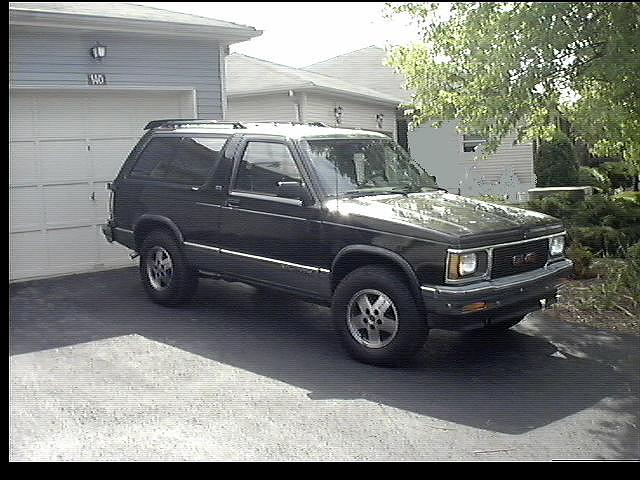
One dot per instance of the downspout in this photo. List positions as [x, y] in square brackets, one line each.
[299, 104]
[223, 51]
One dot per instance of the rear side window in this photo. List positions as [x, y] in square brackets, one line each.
[187, 161]
[156, 155]
[263, 165]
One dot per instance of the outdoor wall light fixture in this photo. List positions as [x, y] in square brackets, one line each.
[379, 119]
[337, 111]
[98, 51]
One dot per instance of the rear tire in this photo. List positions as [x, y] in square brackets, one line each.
[164, 270]
[377, 318]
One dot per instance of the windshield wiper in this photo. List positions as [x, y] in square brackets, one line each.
[406, 189]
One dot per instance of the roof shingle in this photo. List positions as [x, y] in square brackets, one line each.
[248, 75]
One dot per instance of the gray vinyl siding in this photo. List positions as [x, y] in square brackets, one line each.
[518, 156]
[316, 107]
[320, 108]
[50, 57]
[261, 108]
[440, 152]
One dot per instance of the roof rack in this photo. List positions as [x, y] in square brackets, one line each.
[312, 124]
[177, 122]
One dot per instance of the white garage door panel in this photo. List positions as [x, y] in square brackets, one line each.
[112, 254]
[64, 160]
[25, 209]
[61, 114]
[63, 147]
[21, 122]
[23, 165]
[68, 205]
[115, 117]
[108, 155]
[84, 252]
[27, 254]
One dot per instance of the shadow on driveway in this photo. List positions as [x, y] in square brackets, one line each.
[510, 383]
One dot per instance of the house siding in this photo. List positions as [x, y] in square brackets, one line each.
[50, 57]
[320, 108]
[261, 108]
[518, 156]
[440, 152]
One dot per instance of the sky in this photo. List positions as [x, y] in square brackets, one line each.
[298, 34]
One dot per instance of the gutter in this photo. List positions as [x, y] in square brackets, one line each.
[310, 87]
[92, 22]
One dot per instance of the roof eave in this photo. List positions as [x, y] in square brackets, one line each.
[313, 87]
[83, 22]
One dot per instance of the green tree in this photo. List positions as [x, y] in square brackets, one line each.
[555, 163]
[524, 66]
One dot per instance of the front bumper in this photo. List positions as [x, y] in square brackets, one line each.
[452, 307]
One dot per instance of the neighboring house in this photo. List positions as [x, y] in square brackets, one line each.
[258, 90]
[74, 115]
[444, 152]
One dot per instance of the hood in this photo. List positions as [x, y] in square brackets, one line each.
[444, 213]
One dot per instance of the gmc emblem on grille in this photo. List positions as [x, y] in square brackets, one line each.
[524, 259]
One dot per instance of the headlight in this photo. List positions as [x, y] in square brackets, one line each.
[556, 245]
[467, 264]
[462, 265]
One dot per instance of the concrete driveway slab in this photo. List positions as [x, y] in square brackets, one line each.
[99, 372]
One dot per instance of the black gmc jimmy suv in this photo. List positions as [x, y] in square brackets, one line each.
[342, 217]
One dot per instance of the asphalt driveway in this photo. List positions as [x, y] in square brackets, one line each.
[99, 372]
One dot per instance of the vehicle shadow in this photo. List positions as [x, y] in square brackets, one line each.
[509, 383]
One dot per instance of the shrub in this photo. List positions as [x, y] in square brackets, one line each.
[582, 260]
[555, 164]
[630, 274]
[600, 240]
[620, 174]
[588, 176]
[633, 197]
[561, 205]
[604, 224]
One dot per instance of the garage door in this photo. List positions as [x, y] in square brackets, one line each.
[64, 146]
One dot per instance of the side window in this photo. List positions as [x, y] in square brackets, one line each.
[186, 161]
[263, 165]
[196, 158]
[155, 157]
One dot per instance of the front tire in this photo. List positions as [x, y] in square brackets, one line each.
[377, 318]
[165, 273]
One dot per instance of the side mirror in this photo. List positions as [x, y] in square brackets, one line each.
[295, 190]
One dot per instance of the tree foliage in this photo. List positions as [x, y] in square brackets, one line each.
[505, 66]
[555, 163]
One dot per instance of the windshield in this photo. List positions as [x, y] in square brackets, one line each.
[366, 166]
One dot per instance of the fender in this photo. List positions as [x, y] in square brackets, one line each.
[165, 221]
[397, 259]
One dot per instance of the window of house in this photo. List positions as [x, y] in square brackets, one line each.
[263, 165]
[470, 142]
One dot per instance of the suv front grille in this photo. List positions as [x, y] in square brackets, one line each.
[519, 258]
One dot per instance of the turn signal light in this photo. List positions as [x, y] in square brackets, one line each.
[475, 307]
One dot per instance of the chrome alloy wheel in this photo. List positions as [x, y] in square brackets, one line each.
[372, 318]
[159, 268]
